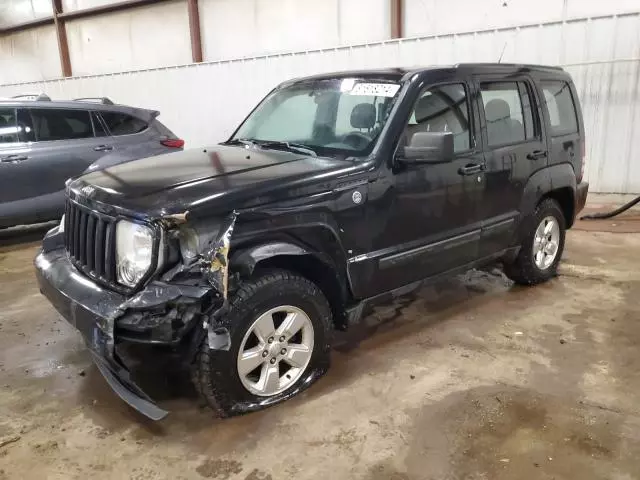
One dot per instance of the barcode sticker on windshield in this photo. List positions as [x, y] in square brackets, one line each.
[375, 89]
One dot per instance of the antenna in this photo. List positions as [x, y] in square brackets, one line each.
[503, 49]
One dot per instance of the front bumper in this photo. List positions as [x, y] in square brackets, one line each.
[96, 313]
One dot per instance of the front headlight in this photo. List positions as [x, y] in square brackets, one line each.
[134, 252]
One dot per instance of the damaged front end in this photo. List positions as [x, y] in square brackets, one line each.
[177, 308]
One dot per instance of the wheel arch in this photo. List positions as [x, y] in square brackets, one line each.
[300, 253]
[557, 182]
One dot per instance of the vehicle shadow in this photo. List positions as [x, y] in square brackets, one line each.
[168, 384]
[24, 234]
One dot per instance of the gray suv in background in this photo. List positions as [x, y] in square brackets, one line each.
[45, 142]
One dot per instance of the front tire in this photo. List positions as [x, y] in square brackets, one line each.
[280, 330]
[542, 247]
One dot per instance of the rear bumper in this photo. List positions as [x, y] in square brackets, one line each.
[582, 190]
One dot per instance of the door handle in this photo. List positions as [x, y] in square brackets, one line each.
[537, 154]
[14, 158]
[103, 148]
[471, 169]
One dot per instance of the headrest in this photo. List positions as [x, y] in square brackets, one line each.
[497, 109]
[423, 108]
[363, 115]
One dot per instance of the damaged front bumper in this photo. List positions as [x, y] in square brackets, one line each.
[161, 313]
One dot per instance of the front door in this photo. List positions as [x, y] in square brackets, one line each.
[427, 221]
[514, 150]
[56, 144]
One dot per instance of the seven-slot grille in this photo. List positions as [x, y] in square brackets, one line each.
[90, 240]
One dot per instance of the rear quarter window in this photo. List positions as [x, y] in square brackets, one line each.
[560, 106]
[122, 124]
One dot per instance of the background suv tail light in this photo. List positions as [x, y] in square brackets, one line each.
[173, 143]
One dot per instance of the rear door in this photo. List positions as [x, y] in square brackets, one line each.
[514, 150]
[13, 152]
[56, 144]
[559, 106]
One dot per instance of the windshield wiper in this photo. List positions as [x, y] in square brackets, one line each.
[241, 141]
[294, 147]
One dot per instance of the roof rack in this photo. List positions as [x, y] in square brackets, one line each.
[37, 97]
[102, 100]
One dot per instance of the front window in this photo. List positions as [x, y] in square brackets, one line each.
[334, 117]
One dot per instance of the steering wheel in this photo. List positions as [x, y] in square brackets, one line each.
[356, 139]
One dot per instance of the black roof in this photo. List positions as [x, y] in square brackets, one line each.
[399, 72]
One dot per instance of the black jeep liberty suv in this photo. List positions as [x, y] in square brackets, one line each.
[338, 191]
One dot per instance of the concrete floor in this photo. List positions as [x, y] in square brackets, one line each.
[470, 379]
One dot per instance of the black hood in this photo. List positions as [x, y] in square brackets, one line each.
[227, 177]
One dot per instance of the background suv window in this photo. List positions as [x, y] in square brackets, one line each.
[55, 124]
[122, 124]
[562, 111]
[443, 108]
[97, 125]
[8, 126]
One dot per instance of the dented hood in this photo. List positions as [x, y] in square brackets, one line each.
[192, 180]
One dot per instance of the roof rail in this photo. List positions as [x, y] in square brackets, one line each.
[102, 100]
[38, 97]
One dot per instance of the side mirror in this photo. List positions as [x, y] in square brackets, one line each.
[428, 147]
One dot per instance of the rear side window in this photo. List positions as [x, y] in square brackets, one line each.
[504, 112]
[122, 124]
[53, 124]
[8, 126]
[561, 108]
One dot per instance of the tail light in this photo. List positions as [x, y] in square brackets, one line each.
[173, 143]
[583, 160]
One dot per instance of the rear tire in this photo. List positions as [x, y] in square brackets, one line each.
[283, 368]
[542, 247]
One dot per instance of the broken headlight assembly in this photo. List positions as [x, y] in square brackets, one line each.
[134, 252]
[189, 244]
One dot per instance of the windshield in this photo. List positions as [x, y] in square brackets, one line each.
[336, 117]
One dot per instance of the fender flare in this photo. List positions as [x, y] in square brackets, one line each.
[246, 260]
[545, 181]
[540, 184]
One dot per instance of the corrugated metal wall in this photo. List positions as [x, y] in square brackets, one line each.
[203, 103]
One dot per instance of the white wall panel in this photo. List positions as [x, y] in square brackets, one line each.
[29, 55]
[20, 11]
[363, 21]
[204, 103]
[429, 17]
[233, 28]
[71, 5]
[239, 28]
[146, 37]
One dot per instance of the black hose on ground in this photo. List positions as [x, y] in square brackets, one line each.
[600, 216]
